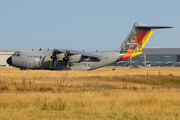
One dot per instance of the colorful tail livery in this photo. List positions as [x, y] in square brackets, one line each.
[137, 39]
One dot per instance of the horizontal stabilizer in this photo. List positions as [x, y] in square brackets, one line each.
[152, 27]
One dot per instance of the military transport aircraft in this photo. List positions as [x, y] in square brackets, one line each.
[155, 63]
[172, 63]
[64, 59]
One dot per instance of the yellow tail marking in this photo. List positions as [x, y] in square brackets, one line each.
[144, 41]
[136, 53]
[146, 38]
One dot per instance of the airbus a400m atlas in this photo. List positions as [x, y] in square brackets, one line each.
[62, 59]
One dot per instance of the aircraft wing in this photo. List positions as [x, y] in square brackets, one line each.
[85, 54]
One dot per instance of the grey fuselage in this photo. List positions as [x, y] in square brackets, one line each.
[42, 60]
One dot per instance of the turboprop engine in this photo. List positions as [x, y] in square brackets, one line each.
[75, 58]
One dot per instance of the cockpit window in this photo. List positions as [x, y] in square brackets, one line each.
[16, 54]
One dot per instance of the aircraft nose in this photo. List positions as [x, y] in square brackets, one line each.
[9, 60]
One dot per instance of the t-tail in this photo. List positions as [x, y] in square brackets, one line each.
[137, 39]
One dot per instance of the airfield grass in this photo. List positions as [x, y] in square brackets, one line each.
[146, 93]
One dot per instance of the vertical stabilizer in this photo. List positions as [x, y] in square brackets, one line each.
[137, 39]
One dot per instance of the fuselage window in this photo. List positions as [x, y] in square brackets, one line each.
[16, 54]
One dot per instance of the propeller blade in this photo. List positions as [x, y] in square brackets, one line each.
[40, 48]
[54, 52]
[55, 62]
[54, 57]
[66, 53]
[67, 58]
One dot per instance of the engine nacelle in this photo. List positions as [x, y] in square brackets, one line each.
[72, 58]
[60, 57]
[75, 58]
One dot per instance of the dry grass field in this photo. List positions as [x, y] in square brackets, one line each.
[147, 93]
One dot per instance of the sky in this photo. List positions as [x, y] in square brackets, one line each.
[85, 25]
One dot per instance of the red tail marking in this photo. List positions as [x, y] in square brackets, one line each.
[137, 40]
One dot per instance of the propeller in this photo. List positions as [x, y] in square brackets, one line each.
[54, 57]
[40, 48]
[66, 59]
